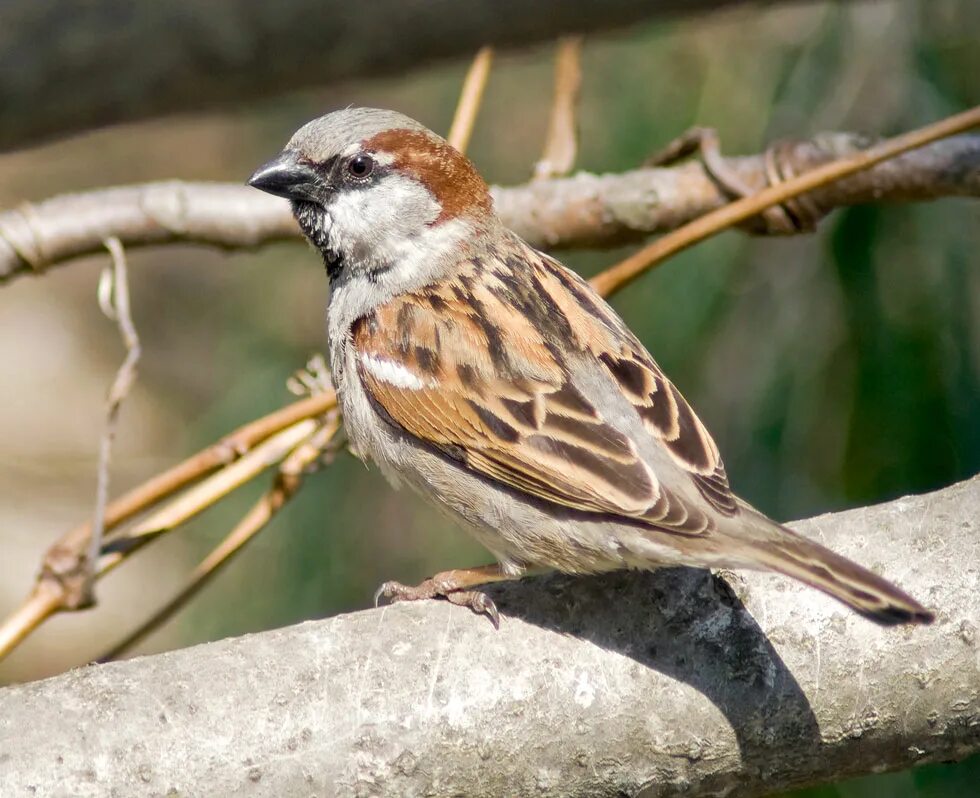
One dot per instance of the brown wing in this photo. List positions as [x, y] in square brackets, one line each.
[454, 366]
[665, 413]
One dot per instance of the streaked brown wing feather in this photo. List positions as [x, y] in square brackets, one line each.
[501, 401]
[665, 412]
[532, 432]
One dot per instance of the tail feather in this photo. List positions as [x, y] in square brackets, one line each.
[866, 593]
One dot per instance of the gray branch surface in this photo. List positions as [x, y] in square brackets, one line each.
[582, 211]
[71, 67]
[657, 684]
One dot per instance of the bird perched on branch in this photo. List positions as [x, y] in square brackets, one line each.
[495, 382]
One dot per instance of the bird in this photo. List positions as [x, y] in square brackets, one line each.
[495, 382]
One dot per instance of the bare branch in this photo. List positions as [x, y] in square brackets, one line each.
[661, 684]
[576, 212]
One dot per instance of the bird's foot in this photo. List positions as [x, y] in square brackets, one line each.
[450, 585]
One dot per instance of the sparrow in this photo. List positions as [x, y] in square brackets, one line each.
[499, 385]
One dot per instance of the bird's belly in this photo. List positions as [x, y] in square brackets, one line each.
[521, 533]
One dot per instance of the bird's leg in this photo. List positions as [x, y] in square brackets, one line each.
[452, 586]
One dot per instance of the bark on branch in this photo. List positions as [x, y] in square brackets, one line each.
[671, 683]
[581, 211]
[109, 61]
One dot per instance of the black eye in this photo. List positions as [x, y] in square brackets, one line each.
[360, 166]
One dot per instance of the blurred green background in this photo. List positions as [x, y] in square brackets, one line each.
[835, 370]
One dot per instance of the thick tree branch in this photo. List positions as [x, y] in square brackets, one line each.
[580, 211]
[672, 683]
[110, 61]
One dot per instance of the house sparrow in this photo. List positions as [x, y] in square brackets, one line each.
[495, 382]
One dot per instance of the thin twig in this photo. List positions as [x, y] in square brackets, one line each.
[55, 594]
[114, 301]
[561, 143]
[220, 484]
[219, 454]
[632, 267]
[470, 99]
[44, 600]
[303, 460]
[309, 455]
[66, 556]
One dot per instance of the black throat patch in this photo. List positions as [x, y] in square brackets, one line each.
[333, 262]
[311, 219]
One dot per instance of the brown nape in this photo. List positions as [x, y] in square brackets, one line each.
[448, 174]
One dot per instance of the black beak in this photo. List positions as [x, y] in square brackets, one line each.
[286, 175]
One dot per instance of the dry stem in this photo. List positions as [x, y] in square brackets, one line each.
[45, 599]
[303, 459]
[561, 143]
[114, 300]
[708, 225]
[63, 560]
[470, 99]
[220, 484]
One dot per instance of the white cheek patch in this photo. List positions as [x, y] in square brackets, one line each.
[393, 373]
[383, 216]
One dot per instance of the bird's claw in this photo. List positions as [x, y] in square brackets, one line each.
[476, 600]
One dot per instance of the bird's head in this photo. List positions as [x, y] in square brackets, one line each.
[381, 196]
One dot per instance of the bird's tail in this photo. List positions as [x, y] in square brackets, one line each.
[784, 551]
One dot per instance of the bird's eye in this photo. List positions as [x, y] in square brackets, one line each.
[360, 166]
